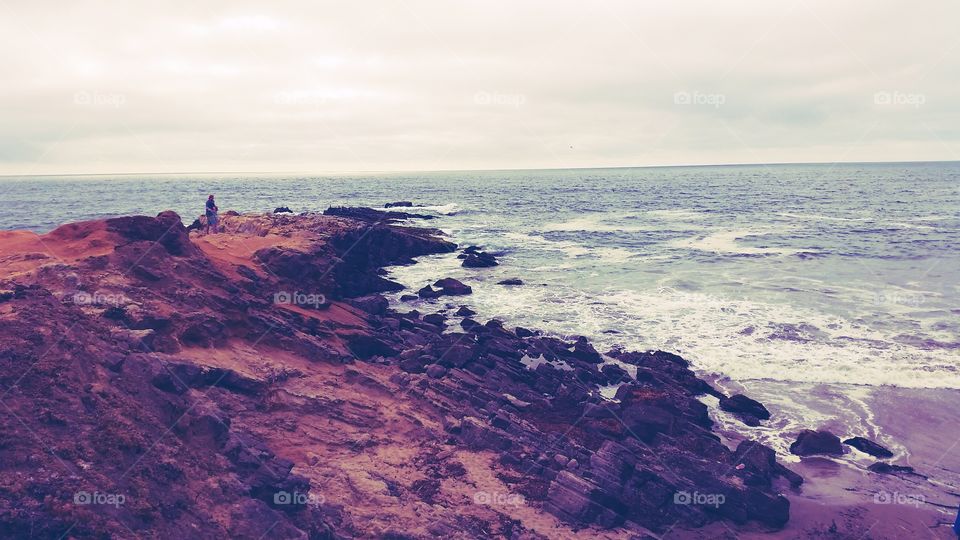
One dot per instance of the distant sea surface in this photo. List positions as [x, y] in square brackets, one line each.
[841, 274]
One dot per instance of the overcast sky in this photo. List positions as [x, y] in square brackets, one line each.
[211, 85]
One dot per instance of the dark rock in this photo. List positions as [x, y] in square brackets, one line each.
[412, 365]
[523, 332]
[373, 304]
[452, 287]
[511, 281]
[464, 311]
[470, 325]
[409, 297]
[398, 204]
[370, 214]
[479, 260]
[811, 442]
[584, 351]
[743, 406]
[436, 371]
[428, 292]
[614, 373]
[435, 319]
[282, 210]
[869, 447]
[886, 468]
[645, 421]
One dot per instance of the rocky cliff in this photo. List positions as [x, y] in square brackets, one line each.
[252, 384]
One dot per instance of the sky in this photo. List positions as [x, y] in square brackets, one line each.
[315, 86]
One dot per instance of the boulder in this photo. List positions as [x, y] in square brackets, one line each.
[464, 311]
[435, 319]
[479, 260]
[436, 371]
[511, 281]
[869, 447]
[750, 410]
[452, 287]
[811, 443]
[398, 204]
[282, 210]
[428, 292]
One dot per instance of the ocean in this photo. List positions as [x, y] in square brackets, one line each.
[843, 275]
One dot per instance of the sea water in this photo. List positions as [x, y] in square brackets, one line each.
[809, 274]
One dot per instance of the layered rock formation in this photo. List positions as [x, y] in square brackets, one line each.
[253, 384]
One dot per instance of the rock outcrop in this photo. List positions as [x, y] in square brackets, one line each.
[254, 383]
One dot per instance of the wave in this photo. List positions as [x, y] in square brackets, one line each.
[450, 209]
[726, 242]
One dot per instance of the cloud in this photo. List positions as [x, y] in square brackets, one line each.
[326, 86]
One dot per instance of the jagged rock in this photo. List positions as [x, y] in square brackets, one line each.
[869, 447]
[749, 410]
[464, 311]
[811, 442]
[282, 210]
[523, 332]
[614, 373]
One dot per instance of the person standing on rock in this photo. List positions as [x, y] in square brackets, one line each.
[212, 219]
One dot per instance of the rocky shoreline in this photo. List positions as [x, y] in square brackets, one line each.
[256, 384]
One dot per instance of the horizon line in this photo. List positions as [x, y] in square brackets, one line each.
[396, 171]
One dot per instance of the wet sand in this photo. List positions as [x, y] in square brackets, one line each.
[840, 497]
